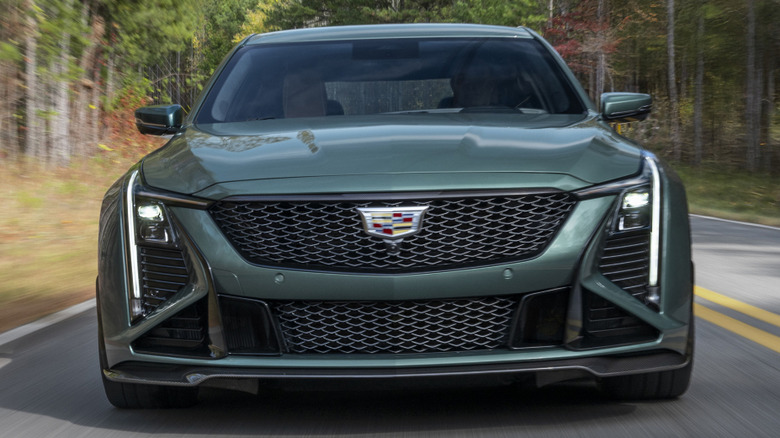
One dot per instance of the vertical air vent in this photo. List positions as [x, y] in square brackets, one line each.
[164, 273]
[625, 262]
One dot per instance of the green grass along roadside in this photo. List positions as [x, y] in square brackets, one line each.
[732, 194]
[49, 226]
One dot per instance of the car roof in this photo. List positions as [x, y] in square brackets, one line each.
[383, 31]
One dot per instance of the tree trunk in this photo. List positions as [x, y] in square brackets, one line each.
[6, 114]
[682, 94]
[34, 126]
[752, 116]
[8, 146]
[94, 118]
[674, 115]
[601, 58]
[82, 131]
[61, 147]
[109, 102]
[698, 104]
[770, 113]
[110, 62]
[80, 102]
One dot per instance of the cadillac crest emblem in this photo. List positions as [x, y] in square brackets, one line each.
[392, 222]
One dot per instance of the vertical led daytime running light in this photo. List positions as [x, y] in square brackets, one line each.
[135, 287]
[655, 232]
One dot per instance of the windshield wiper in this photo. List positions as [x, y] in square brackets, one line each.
[490, 109]
[425, 111]
[253, 119]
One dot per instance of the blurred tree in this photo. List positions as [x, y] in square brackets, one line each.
[220, 22]
[672, 80]
[711, 65]
[150, 29]
[529, 13]
[34, 123]
[698, 107]
[287, 14]
[584, 38]
[752, 90]
[10, 58]
[257, 20]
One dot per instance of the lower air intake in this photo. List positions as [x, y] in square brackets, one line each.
[247, 326]
[396, 327]
[184, 334]
[607, 324]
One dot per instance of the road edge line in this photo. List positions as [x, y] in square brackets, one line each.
[731, 221]
[738, 327]
[46, 321]
[739, 306]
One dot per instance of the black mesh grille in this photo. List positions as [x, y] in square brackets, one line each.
[625, 262]
[396, 327]
[164, 272]
[329, 235]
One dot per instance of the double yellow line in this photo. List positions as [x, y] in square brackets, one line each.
[762, 337]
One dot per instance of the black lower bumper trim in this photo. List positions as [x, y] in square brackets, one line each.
[149, 373]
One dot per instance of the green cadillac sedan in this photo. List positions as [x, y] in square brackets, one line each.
[394, 203]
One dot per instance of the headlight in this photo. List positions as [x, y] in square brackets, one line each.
[634, 231]
[152, 223]
[635, 211]
[639, 212]
[148, 226]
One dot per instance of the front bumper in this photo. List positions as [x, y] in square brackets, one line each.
[570, 262]
[544, 370]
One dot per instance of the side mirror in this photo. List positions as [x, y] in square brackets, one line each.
[625, 107]
[159, 119]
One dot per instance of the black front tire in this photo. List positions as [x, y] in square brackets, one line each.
[658, 385]
[141, 396]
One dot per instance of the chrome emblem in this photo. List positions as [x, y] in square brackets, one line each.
[392, 223]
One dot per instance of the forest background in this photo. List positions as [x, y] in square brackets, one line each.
[72, 72]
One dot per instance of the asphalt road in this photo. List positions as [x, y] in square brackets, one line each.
[49, 382]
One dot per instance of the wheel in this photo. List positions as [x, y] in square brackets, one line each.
[657, 385]
[140, 396]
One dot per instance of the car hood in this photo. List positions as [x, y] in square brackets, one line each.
[404, 152]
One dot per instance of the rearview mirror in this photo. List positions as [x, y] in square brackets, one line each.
[159, 119]
[625, 107]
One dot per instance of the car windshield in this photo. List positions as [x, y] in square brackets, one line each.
[389, 76]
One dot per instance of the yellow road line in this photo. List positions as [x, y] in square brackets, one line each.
[739, 306]
[768, 340]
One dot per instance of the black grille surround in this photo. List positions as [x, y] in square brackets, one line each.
[328, 235]
[371, 327]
